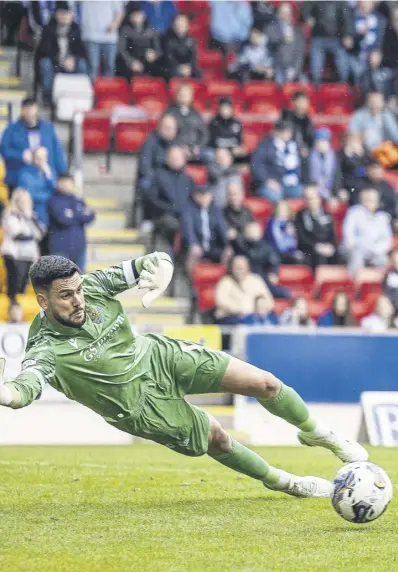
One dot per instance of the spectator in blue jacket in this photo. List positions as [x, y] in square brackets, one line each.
[281, 234]
[40, 181]
[339, 315]
[204, 230]
[69, 216]
[263, 315]
[276, 165]
[24, 136]
[230, 22]
[160, 14]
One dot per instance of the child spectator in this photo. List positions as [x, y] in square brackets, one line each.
[281, 234]
[22, 137]
[254, 59]
[237, 216]
[180, 50]
[69, 215]
[390, 282]
[276, 165]
[323, 165]
[377, 78]
[39, 179]
[237, 292]
[225, 131]
[340, 314]
[315, 231]
[160, 14]
[374, 123]
[297, 314]
[263, 314]
[382, 319]
[22, 232]
[204, 230]
[303, 130]
[61, 49]
[352, 162]
[222, 173]
[139, 48]
[367, 236]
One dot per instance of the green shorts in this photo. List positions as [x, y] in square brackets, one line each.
[168, 370]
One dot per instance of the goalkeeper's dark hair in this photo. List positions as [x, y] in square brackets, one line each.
[49, 268]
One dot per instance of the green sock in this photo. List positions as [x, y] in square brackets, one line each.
[246, 461]
[289, 406]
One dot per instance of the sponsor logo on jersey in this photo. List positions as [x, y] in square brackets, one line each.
[96, 350]
[96, 314]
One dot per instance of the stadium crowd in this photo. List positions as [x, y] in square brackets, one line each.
[303, 195]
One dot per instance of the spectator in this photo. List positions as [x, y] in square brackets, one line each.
[237, 292]
[15, 313]
[180, 50]
[297, 314]
[21, 234]
[160, 14]
[374, 123]
[340, 314]
[100, 25]
[263, 314]
[369, 26]
[204, 230]
[390, 42]
[237, 216]
[382, 319]
[276, 165]
[323, 165]
[303, 130]
[222, 173]
[39, 180]
[390, 281]
[287, 44]
[263, 13]
[281, 234]
[192, 131]
[352, 162]
[69, 215]
[39, 14]
[263, 259]
[367, 236]
[22, 137]
[168, 196]
[139, 48]
[61, 49]
[315, 230]
[377, 78]
[12, 15]
[331, 32]
[225, 130]
[375, 180]
[254, 60]
[230, 23]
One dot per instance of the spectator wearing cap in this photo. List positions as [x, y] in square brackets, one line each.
[61, 49]
[303, 129]
[323, 164]
[23, 137]
[100, 26]
[236, 214]
[287, 45]
[139, 49]
[263, 314]
[374, 179]
[160, 14]
[230, 23]
[180, 50]
[374, 123]
[225, 130]
[204, 230]
[221, 173]
[254, 60]
[367, 235]
[192, 131]
[167, 198]
[276, 165]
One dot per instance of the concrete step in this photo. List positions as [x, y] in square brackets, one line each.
[14, 95]
[103, 204]
[114, 254]
[116, 219]
[10, 82]
[161, 320]
[98, 235]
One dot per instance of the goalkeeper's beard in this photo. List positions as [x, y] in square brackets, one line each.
[71, 323]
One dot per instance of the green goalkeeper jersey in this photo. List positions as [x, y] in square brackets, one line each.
[96, 364]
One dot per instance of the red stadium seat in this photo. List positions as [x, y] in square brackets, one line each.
[254, 90]
[247, 180]
[198, 173]
[339, 109]
[296, 205]
[111, 86]
[395, 241]
[207, 274]
[211, 63]
[96, 132]
[264, 107]
[280, 305]
[339, 94]
[360, 309]
[206, 298]
[130, 135]
[338, 210]
[107, 103]
[317, 308]
[260, 208]
[333, 279]
[151, 103]
[392, 178]
[250, 139]
[292, 275]
[369, 282]
[145, 85]
[223, 87]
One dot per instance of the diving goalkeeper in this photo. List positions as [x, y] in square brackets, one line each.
[81, 344]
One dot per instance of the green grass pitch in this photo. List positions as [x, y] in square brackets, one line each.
[145, 508]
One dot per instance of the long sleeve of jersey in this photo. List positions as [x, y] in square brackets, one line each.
[113, 280]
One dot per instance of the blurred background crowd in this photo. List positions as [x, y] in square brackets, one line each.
[266, 136]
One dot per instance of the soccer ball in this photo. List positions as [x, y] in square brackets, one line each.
[362, 492]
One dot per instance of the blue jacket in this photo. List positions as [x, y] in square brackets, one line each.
[66, 235]
[282, 235]
[169, 192]
[192, 226]
[230, 21]
[152, 156]
[160, 15]
[40, 188]
[15, 141]
[270, 319]
[326, 320]
[268, 163]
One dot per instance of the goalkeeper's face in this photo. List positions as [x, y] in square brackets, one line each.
[65, 301]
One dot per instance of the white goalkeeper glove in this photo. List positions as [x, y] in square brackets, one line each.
[5, 392]
[155, 274]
